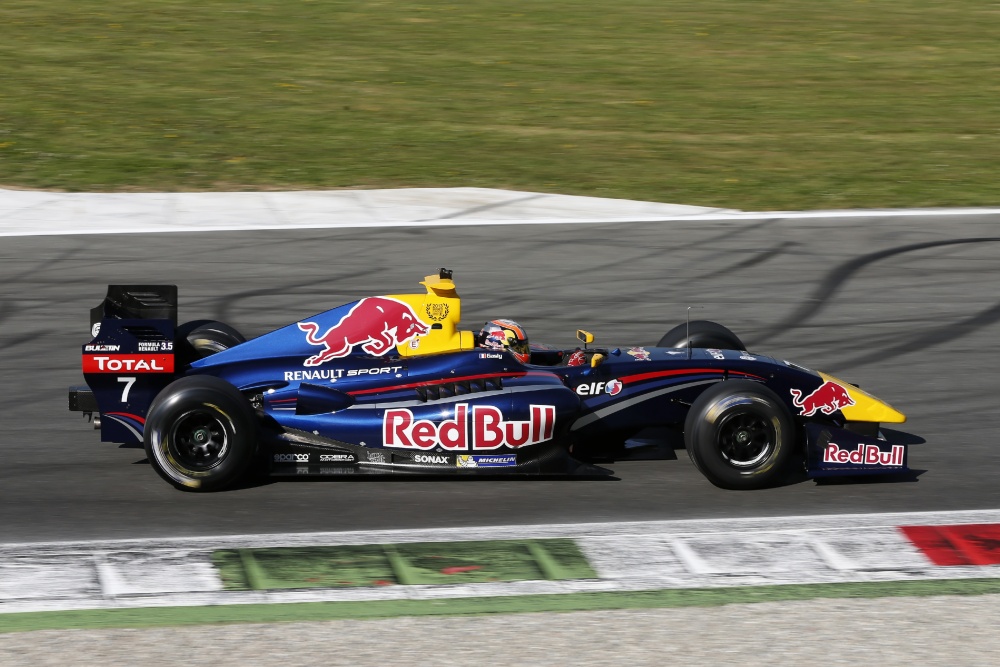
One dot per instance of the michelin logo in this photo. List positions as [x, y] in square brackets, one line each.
[485, 461]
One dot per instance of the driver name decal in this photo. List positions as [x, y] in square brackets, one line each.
[481, 428]
[377, 324]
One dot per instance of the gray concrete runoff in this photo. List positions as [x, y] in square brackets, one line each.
[34, 213]
[890, 632]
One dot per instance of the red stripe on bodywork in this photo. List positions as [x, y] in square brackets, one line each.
[969, 544]
[686, 371]
[139, 419]
[429, 383]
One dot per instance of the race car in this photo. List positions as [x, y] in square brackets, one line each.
[390, 384]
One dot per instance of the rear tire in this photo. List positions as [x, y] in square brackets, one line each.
[740, 435]
[201, 433]
[702, 333]
[203, 338]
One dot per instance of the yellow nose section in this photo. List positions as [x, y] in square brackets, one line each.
[866, 407]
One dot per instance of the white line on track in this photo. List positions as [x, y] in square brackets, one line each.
[133, 228]
[39, 213]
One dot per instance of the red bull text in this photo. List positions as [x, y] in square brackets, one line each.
[377, 324]
[866, 455]
[829, 398]
[488, 429]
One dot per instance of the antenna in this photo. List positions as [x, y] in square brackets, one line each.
[687, 330]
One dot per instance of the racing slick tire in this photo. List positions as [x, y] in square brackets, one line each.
[201, 433]
[702, 333]
[203, 338]
[740, 435]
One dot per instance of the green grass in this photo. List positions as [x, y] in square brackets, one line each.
[387, 565]
[325, 611]
[753, 104]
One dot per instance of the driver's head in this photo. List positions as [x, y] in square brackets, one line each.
[505, 335]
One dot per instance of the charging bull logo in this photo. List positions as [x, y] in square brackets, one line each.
[829, 398]
[377, 324]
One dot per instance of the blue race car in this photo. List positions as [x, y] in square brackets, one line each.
[390, 384]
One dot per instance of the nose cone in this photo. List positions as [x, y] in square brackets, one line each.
[866, 407]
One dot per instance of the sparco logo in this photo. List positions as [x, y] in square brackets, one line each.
[612, 388]
[291, 458]
[487, 429]
[423, 458]
[866, 455]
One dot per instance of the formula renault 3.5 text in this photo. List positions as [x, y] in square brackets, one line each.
[390, 384]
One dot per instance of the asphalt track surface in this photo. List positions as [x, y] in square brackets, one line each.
[909, 308]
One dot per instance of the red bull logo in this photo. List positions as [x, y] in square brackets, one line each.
[495, 340]
[482, 427]
[829, 398]
[377, 324]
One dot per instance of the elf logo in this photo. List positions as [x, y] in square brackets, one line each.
[611, 388]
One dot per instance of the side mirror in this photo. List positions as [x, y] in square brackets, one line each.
[584, 337]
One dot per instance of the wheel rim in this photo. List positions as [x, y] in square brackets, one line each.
[745, 439]
[199, 440]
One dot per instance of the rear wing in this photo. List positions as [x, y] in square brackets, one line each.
[129, 360]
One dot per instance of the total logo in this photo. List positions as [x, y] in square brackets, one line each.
[291, 458]
[481, 428]
[611, 388]
[869, 455]
[129, 363]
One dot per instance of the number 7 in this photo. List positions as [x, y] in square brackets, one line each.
[129, 381]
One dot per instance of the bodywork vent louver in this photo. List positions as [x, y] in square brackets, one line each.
[436, 392]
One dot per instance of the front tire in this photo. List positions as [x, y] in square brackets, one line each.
[201, 434]
[740, 435]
